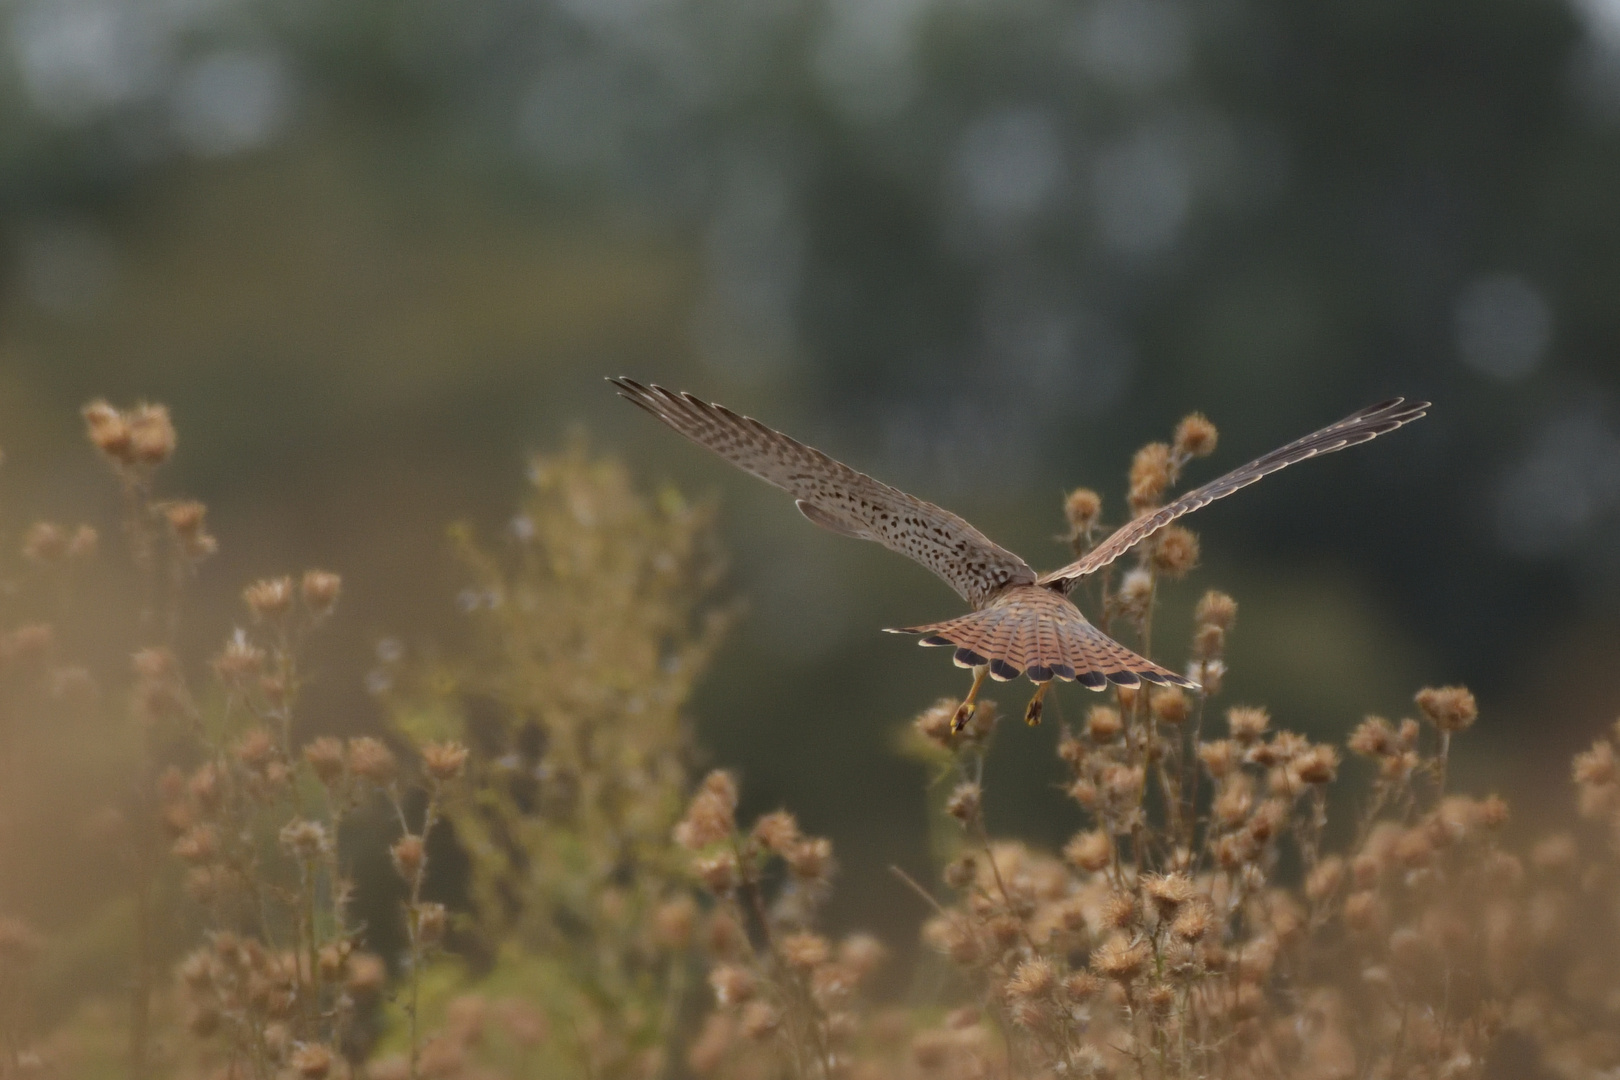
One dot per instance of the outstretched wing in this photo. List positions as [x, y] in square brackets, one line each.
[1359, 427]
[836, 497]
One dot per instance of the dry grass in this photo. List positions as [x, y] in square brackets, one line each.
[622, 923]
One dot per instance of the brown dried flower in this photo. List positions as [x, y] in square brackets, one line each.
[269, 598]
[409, 854]
[804, 950]
[320, 590]
[1195, 436]
[1449, 708]
[444, 761]
[1090, 850]
[325, 757]
[1081, 507]
[964, 803]
[1174, 552]
[371, 760]
[1118, 958]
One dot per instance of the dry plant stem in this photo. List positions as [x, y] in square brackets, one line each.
[136, 486]
[413, 920]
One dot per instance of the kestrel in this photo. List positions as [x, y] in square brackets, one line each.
[1022, 623]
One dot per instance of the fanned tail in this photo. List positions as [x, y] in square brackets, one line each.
[1038, 632]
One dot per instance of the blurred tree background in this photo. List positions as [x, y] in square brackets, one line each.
[372, 253]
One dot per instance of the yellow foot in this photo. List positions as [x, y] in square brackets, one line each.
[1032, 712]
[970, 704]
[964, 713]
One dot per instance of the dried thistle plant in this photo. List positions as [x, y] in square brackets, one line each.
[1203, 920]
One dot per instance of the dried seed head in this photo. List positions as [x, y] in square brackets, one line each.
[1209, 642]
[1195, 436]
[1168, 892]
[1119, 911]
[304, 839]
[1135, 593]
[1193, 922]
[185, 518]
[1090, 850]
[862, 954]
[1170, 705]
[1449, 708]
[1236, 799]
[934, 723]
[1595, 766]
[1117, 958]
[718, 872]
[1220, 758]
[1318, 765]
[367, 974]
[325, 758]
[1081, 986]
[151, 435]
[1103, 723]
[732, 984]
[1151, 473]
[108, 430]
[708, 820]
[805, 950]
[371, 760]
[256, 749]
[1216, 609]
[1373, 738]
[1247, 724]
[320, 590]
[1492, 812]
[1034, 978]
[1081, 507]
[961, 871]
[198, 844]
[811, 860]
[269, 598]
[409, 854]
[444, 761]
[431, 922]
[1174, 552]
[964, 803]
[1268, 819]
[240, 662]
[332, 960]
[778, 832]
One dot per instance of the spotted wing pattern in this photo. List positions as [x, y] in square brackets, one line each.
[836, 497]
[1037, 630]
[1357, 428]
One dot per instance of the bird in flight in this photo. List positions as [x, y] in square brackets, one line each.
[1022, 623]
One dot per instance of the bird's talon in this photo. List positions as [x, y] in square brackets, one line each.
[1032, 712]
[964, 713]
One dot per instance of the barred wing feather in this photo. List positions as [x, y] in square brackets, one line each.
[1357, 428]
[839, 498]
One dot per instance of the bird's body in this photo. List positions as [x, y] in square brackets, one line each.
[1021, 623]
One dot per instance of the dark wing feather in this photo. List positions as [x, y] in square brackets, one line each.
[836, 497]
[1359, 427]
